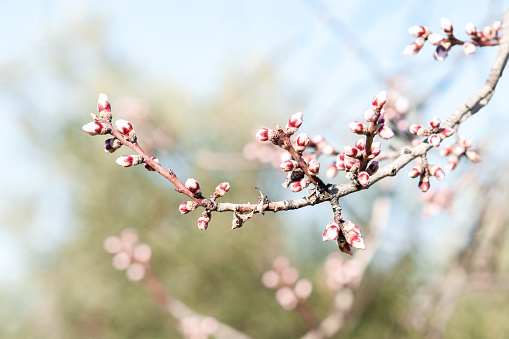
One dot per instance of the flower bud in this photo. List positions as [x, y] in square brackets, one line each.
[434, 140]
[363, 178]
[446, 132]
[221, 189]
[496, 26]
[360, 144]
[142, 253]
[103, 107]
[111, 145]
[148, 167]
[314, 166]
[125, 128]
[288, 165]
[372, 167]
[467, 143]
[302, 142]
[379, 101]
[412, 49]
[95, 128]
[351, 151]
[187, 207]
[385, 132]
[445, 151]
[471, 29]
[193, 186]
[331, 172]
[296, 186]
[469, 48]
[437, 172]
[331, 232]
[440, 53]
[376, 148]
[353, 235]
[295, 120]
[340, 162]
[415, 171]
[446, 26]
[203, 222]
[357, 127]
[488, 32]
[129, 160]
[434, 123]
[262, 134]
[452, 163]
[417, 31]
[417, 130]
[349, 163]
[435, 38]
[424, 184]
[473, 156]
[369, 115]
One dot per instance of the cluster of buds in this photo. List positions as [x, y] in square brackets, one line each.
[358, 160]
[341, 273]
[129, 255]
[435, 134]
[265, 134]
[460, 148]
[424, 171]
[346, 233]
[290, 290]
[487, 37]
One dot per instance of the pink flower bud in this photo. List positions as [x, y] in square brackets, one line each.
[328, 149]
[424, 184]
[351, 151]
[488, 32]
[369, 115]
[446, 132]
[412, 49]
[288, 165]
[496, 26]
[458, 149]
[111, 145]
[95, 128]
[363, 178]
[360, 144]
[445, 151]
[473, 156]
[446, 26]
[193, 186]
[469, 48]
[295, 120]
[452, 163]
[302, 142]
[262, 134]
[440, 53]
[434, 123]
[417, 31]
[314, 166]
[149, 168]
[385, 132]
[187, 207]
[125, 128]
[340, 162]
[129, 160]
[376, 148]
[203, 222]
[372, 167]
[471, 29]
[467, 143]
[142, 253]
[353, 235]
[103, 107]
[434, 140]
[417, 130]
[415, 171]
[357, 127]
[437, 172]
[435, 38]
[221, 189]
[331, 232]
[296, 186]
[331, 172]
[379, 101]
[349, 163]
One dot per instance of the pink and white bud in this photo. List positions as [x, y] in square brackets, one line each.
[446, 132]
[331, 232]
[440, 53]
[262, 134]
[302, 142]
[376, 148]
[357, 127]
[452, 163]
[129, 160]
[437, 172]
[125, 128]
[349, 163]
[385, 132]
[111, 145]
[340, 162]
[471, 29]
[467, 143]
[95, 128]
[488, 32]
[295, 120]
[469, 48]
[372, 167]
[288, 165]
[363, 178]
[369, 115]
[142, 253]
[331, 172]
[193, 186]
[203, 222]
[351, 151]
[415, 171]
[103, 107]
[327, 149]
[360, 144]
[445, 151]
[435, 39]
[434, 140]
[417, 31]
[379, 101]
[473, 156]
[496, 26]
[424, 184]
[412, 49]
[353, 235]
[150, 168]
[221, 189]
[417, 130]
[314, 166]
[187, 207]
[446, 26]
[434, 123]
[296, 186]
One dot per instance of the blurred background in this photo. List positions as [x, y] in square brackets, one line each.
[197, 79]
